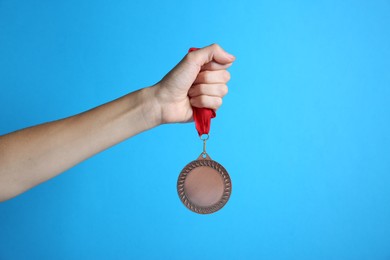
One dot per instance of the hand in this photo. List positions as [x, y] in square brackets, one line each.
[199, 80]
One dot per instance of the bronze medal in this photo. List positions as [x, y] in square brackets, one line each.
[204, 185]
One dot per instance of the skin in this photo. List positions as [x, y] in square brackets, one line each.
[33, 155]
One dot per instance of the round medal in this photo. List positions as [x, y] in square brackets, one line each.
[204, 185]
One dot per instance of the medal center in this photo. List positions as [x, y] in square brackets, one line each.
[204, 186]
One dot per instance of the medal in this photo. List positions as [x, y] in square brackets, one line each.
[204, 185]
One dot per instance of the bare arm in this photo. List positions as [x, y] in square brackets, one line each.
[33, 155]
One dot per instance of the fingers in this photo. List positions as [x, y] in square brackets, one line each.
[206, 101]
[210, 77]
[215, 66]
[207, 95]
[208, 54]
[215, 90]
[209, 86]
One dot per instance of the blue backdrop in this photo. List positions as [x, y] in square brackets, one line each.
[304, 131]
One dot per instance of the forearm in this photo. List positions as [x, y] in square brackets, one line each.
[34, 155]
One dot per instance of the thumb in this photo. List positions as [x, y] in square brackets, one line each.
[181, 77]
[210, 53]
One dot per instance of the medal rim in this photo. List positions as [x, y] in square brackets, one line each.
[204, 162]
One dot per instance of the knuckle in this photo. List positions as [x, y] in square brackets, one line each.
[226, 75]
[190, 57]
[215, 46]
[224, 90]
[217, 103]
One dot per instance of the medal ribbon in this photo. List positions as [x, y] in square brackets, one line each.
[202, 116]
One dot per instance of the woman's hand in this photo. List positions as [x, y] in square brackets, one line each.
[199, 80]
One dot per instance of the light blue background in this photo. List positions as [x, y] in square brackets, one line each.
[304, 131]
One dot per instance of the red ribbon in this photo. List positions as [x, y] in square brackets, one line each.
[202, 116]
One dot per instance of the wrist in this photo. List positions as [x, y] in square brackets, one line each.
[151, 108]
